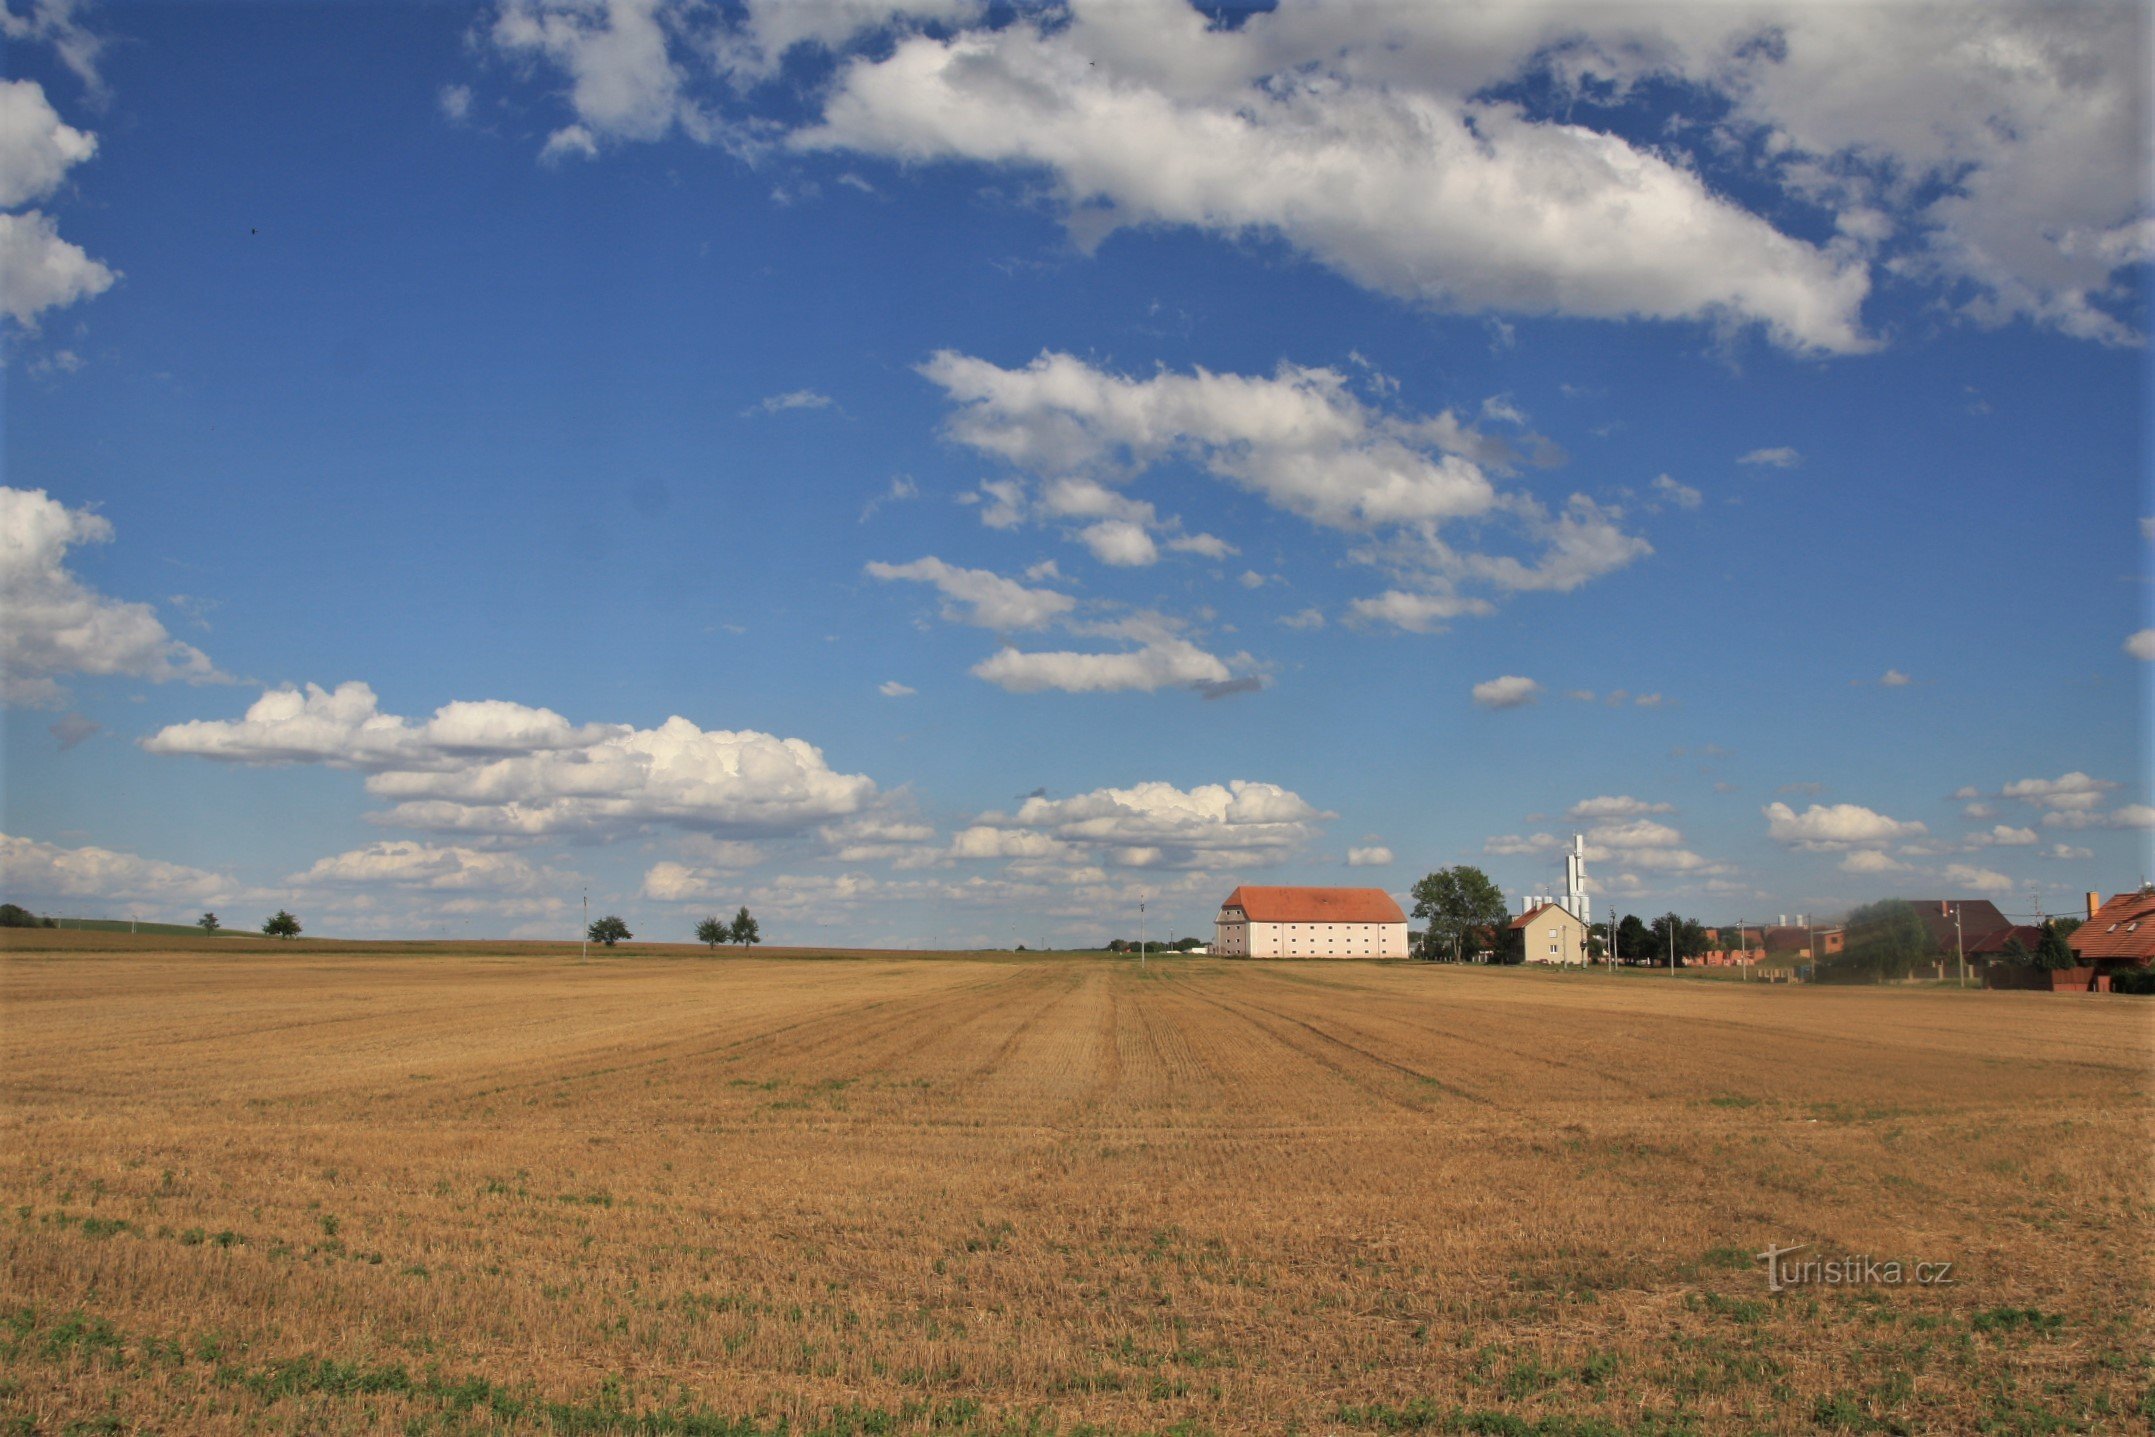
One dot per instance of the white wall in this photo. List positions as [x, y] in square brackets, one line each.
[1328, 940]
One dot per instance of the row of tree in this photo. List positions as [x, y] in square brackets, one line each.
[742, 930]
[712, 931]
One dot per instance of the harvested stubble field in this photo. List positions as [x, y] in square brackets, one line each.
[339, 1190]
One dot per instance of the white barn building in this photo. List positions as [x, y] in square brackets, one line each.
[1310, 923]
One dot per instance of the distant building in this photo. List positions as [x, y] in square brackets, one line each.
[1804, 941]
[1310, 923]
[1552, 933]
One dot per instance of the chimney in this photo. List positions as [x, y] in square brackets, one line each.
[2095, 901]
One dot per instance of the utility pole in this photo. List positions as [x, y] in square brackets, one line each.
[583, 952]
[1672, 943]
[1141, 932]
[1960, 948]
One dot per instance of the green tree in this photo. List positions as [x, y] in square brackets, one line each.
[713, 932]
[1452, 901]
[1634, 944]
[745, 929]
[14, 915]
[281, 925]
[1887, 940]
[609, 930]
[207, 923]
[1690, 940]
[2053, 952]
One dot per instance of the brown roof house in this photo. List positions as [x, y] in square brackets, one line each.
[1957, 926]
[1552, 933]
[1258, 922]
[2118, 934]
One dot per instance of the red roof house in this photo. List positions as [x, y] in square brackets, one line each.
[2120, 932]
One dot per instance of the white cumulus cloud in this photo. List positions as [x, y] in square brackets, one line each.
[37, 148]
[41, 271]
[444, 868]
[1411, 190]
[1153, 825]
[1509, 692]
[56, 625]
[980, 597]
[1833, 826]
[36, 873]
[499, 768]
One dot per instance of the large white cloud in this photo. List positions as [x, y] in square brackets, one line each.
[506, 769]
[1835, 826]
[37, 148]
[2071, 792]
[1407, 190]
[34, 872]
[38, 269]
[434, 868]
[55, 625]
[1299, 437]
[1995, 150]
[1151, 825]
[623, 81]
[41, 271]
[1302, 440]
[1165, 662]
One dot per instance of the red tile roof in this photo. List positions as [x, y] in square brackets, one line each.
[2122, 928]
[1315, 905]
[1537, 910]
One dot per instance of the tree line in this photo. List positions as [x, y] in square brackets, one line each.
[711, 931]
[1465, 919]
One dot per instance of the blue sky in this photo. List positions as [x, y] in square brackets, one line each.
[934, 475]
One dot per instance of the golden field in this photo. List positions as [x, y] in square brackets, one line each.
[339, 1188]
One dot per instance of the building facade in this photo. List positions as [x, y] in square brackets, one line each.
[1259, 922]
[1552, 933]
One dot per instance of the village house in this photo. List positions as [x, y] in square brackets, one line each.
[1552, 933]
[2118, 934]
[1960, 926]
[1263, 922]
